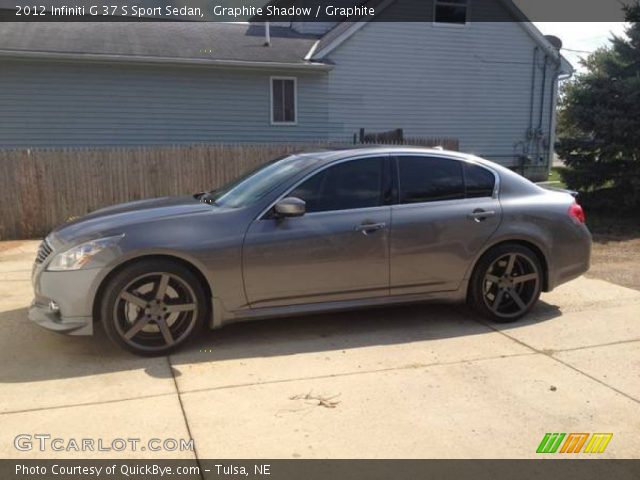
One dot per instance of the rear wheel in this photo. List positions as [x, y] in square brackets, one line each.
[506, 283]
[152, 307]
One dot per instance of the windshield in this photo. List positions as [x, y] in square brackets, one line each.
[258, 182]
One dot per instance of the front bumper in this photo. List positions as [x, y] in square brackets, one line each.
[50, 319]
[73, 293]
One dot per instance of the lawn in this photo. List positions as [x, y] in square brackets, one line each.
[615, 256]
[616, 237]
[554, 176]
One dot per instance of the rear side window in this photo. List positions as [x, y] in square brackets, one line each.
[479, 182]
[348, 185]
[429, 179]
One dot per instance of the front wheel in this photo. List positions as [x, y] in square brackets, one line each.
[152, 307]
[506, 283]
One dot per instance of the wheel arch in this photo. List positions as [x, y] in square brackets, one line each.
[97, 298]
[534, 247]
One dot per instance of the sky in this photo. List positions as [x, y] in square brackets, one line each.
[581, 38]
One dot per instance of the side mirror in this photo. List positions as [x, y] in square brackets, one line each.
[290, 207]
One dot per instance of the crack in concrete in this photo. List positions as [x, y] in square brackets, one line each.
[412, 366]
[184, 418]
[568, 365]
[86, 404]
[552, 351]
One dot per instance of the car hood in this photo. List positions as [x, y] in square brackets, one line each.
[114, 219]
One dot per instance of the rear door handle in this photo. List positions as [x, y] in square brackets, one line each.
[367, 228]
[479, 214]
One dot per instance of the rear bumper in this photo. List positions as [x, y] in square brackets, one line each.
[572, 259]
[50, 319]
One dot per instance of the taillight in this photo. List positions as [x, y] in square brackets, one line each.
[577, 213]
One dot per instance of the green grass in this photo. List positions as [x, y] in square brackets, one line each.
[555, 177]
[606, 215]
[605, 225]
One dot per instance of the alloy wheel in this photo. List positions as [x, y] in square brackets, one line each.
[155, 311]
[510, 285]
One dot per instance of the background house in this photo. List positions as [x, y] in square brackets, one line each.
[491, 85]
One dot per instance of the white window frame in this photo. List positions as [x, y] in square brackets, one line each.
[447, 24]
[295, 101]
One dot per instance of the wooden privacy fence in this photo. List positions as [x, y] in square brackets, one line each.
[42, 188]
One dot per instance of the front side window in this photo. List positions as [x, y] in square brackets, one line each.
[256, 184]
[283, 100]
[451, 11]
[348, 185]
[429, 179]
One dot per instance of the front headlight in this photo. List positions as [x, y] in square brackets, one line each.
[77, 257]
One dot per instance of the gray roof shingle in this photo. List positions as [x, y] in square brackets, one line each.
[179, 40]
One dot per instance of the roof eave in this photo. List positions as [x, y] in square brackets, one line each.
[566, 69]
[323, 52]
[204, 62]
[534, 32]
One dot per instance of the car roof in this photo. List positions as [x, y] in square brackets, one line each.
[339, 152]
[510, 180]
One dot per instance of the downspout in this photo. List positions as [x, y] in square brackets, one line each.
[552, 114]
[529, 135]
[541, 112]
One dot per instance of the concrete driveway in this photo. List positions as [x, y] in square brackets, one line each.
[410, 382]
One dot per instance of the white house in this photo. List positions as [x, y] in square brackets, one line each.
[491, 85]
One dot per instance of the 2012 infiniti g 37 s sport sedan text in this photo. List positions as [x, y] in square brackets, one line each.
[311, 232]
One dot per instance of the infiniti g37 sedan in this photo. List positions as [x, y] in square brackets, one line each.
[312, 232]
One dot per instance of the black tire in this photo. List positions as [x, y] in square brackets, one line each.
[499, 294]
[139, 317]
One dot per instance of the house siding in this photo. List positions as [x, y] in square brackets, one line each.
[471, 82]
[87, 104]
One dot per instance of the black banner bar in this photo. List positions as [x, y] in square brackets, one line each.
[458, 11]
[544, 469]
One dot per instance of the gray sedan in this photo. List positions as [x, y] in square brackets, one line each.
[312, 232]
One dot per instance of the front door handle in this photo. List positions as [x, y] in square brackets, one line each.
[367, 228]
[479, 214]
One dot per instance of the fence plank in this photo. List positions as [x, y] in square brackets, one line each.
[42, 188]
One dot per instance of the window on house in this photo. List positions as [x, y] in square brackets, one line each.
[451, 11]
[283, 100]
